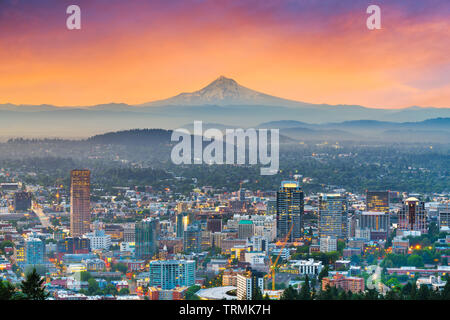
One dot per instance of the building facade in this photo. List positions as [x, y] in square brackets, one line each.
[170, 274]
[412, 216]
[80, 203]
[146, 238]
[290, 210]
[34, 251]
[333, 216]
[247, 284]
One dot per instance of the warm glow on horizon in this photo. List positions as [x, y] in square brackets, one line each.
[135, 52]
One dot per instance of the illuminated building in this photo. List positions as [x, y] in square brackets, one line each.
[247, 284]
[412, 216]
[146, 238]
[377, 223]
[214, 224]
[290, 208]
[444, 216]
[19, 254]
[229, 277]
[182, 223]
[99, 240]
[328, 244]
[34, 251]
[170, 274]
[159, 294]
[72, 245]
[22, 201]
[192, 239]
[377, 201]
[352, 284]
[333, 212]
[80, 203]
[246, 229]
[129, 232]
[308, 267]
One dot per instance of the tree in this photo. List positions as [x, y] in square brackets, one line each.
[190, 293]
[323, 274]
[423, 293]
[110, 289]
[258, 294]
[7, 291]
[289, 294]
[305, 291]
[121, 267]
[445, 294]
[371, 294]
[415, 260]
[93, 287]
[124, 292]
[85, 276]
[32, 287]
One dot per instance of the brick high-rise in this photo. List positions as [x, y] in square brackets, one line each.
[80, 202]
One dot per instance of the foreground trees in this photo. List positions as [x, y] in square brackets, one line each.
[30, 289]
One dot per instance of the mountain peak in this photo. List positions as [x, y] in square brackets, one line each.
[221, 92]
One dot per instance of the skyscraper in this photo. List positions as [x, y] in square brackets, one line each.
[182, 223]
[377, 223]
[22, 201]
[412, 216]
[192, 238]
[333, 212]
[377, 201]
[290, 209]
[146, 233]
[80, 202]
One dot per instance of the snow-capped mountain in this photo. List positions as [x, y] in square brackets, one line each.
[223, 91]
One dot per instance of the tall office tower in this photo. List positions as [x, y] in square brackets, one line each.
[376, 223]
[192, 239]
[169, 274]
[246, 229]
[247, 284]
[214, 224]
[80, 202]
[377, 201]
[146, 238]
[241, 194]
[444, 216]
[22, 201]
[290, 209]
[182, 223]
[333, 212]
[412, 216]
[34, 251]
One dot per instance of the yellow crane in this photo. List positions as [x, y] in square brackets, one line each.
[274, 264]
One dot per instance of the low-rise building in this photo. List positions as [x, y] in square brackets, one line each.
[353, 284]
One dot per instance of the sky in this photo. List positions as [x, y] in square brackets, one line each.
[136, 51]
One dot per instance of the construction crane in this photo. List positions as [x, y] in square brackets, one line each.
[274, 264]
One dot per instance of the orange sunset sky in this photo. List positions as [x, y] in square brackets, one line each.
[138, 51]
